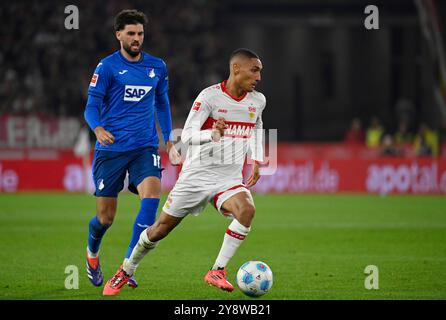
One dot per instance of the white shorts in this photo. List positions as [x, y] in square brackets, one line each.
[192, 192]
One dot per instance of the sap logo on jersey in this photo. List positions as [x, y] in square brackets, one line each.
[135, 93]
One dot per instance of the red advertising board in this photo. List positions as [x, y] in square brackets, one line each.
[56, 171]
[393, 175]
[299, 169]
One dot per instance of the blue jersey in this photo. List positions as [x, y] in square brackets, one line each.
[131, 93]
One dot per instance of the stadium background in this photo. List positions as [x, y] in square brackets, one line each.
[322, 70]
[316, 77]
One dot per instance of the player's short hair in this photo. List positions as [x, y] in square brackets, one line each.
[129, 16]
[244, 53]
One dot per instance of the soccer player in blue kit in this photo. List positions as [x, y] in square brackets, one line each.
[126, 91]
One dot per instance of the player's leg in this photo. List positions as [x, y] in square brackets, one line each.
[241, 205]
[144, 179]
[182, 200]
[149, 239]
[105, 214]
[147, 242]
[108, 175]
[149, 193]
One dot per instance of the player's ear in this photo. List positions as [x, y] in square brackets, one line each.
[235, 68]
[118, 35]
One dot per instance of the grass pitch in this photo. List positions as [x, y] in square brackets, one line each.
[317, 246]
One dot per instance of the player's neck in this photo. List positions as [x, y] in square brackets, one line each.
[233, 89]
[129, 57]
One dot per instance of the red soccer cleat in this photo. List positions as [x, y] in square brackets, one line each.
[114, 285]
[217, 278]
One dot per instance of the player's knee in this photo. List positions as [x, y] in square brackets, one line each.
[105, 215]
[247, 212]
[105, 220]
[150, 194]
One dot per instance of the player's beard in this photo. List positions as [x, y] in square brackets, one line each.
[128, 49]
[252, 87]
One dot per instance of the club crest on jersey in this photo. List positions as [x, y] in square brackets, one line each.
[135, 93]
[94, 80]
[151, 73]
[196, 106]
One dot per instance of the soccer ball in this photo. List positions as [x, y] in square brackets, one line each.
[254, 278]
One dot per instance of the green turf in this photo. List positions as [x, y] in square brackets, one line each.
[316, 245]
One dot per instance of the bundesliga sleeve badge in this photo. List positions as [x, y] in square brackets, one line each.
[196, 106]
[94, 80]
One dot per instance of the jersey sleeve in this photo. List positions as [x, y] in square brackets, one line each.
[163, 114]
[256, 140]
[163, 84]
[100, 81]
[199, 113]
[92, 113]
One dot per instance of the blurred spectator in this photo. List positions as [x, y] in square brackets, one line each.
[47, 68]
[442, 136]
[422, 149]
[389, 148]
[374, 133]
[403, 136]
[426, 141]
[405, 110]
[355, 135]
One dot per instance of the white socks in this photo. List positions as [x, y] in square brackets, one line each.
[143, 246]
[234, 236]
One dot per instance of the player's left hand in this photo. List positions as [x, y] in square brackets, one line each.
[255, 176]
[174, 156]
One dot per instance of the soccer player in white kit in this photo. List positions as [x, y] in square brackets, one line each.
[224, 122]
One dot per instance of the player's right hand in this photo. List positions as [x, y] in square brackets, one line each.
[103, 136]
[218, 129]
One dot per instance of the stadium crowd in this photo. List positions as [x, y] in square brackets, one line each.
[46, 68]
[407, 140]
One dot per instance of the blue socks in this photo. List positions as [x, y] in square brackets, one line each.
[145, 218]
[96, 232]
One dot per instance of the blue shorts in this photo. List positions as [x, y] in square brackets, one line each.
[110, 169]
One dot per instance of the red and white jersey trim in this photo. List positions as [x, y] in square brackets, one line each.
[235, 129]
[223, 88]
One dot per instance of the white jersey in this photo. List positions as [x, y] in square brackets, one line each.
[244, 119]
[212, 171]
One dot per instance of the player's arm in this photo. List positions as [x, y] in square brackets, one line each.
[93, 117]
[192, 131]
[96, 91]
[162, 107]
[256, 146]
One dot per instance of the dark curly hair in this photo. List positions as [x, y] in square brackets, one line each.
[128, 16]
